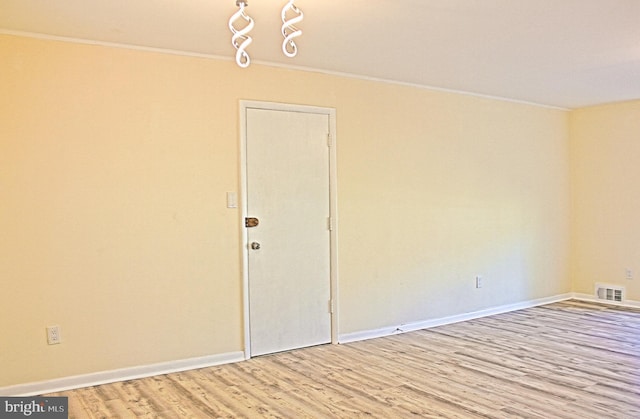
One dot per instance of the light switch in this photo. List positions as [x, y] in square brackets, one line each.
[232, 200]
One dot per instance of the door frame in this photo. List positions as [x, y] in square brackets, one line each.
[333, 208]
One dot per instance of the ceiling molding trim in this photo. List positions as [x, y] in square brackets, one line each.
[111, 44]
[273, 64]
[413, 85]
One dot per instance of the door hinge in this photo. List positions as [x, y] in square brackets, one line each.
[329, 140]
[330, 223]
[331, 306]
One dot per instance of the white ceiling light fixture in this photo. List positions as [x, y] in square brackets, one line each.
[240, 39]
[289, 30]
[291, 15]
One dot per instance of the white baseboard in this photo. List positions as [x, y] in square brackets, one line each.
[426, 324]
[593, 299]
[105, 377]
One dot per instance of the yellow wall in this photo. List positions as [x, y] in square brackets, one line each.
[435, 189]
[605, 161]
[114, 165]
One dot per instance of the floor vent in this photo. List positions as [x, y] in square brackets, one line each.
[610, 293]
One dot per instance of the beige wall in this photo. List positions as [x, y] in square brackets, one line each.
[605, 144]
[114, 165]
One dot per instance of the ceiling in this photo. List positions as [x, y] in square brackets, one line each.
[562, 53]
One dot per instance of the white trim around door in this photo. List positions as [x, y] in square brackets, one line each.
[331, 113]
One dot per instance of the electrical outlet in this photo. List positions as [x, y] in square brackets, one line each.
[479, 281]
[53, 335]
[629, 274]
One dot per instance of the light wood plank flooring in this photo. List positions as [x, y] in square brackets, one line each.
[564, 360]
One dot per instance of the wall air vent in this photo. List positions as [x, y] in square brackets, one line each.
[611, 293]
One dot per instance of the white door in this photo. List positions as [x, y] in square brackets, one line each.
[287, 191]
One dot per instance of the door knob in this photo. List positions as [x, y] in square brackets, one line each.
[255, 245]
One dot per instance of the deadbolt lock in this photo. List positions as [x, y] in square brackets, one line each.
[251, 222]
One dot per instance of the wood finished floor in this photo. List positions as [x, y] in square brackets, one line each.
[564, 360]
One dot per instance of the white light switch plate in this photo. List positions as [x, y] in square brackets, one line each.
[232, 200]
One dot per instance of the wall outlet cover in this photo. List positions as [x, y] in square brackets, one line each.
[53, 335]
